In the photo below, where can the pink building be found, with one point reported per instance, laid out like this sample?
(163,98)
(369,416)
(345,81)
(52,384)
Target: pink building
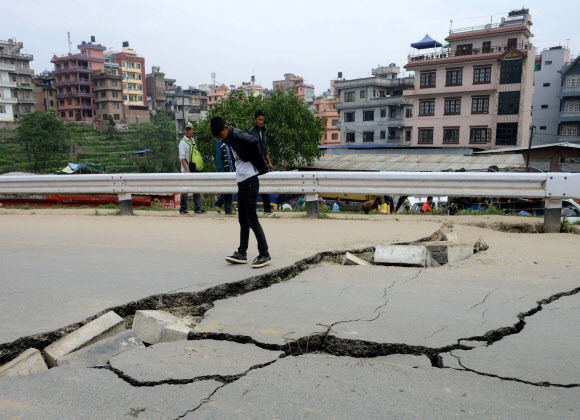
(325,107)
(216,95)
(303,90)
(478,91)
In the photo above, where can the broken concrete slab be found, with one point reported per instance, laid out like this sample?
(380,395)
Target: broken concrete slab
(28,363)
(414,306)
(98,329)
(324,386)
(191,359)
(98,354)
(404,255)
(445,252)
(450,237)
(351,259)
(153,326)
(95,394)
(546,350)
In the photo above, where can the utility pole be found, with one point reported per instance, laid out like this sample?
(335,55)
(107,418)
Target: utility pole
(532,130)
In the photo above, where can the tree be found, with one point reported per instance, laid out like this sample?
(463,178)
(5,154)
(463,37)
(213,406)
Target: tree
(293,131)
(159,136)
(111,130)
(42,137)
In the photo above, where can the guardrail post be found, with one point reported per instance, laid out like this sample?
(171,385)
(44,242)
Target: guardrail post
(552,215)
(125,205)
(312,205)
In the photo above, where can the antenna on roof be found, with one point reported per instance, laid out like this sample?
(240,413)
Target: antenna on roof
(69,43)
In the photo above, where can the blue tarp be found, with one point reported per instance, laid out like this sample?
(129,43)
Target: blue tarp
(142,151)
(426,42)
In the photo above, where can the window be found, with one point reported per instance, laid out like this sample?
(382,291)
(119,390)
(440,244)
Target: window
(130,86)
(138,77)
(124,97)
(69,101)
(334,136)
(71,114)
(348,116)
(2,109)
(393,112)
(115,106)
(63,114)
(480,105)
(571,106)
(159,84)
(573,81)
(512,42)
(51,103)
(363,94)
(452,106)
(124,86)
(383,134)
(334,122)
(480,135)
(408,135)
(464,49)
(116,117)
(454,78)
(543,127)
(368,136)
(425,135)
(569,131)
(481,75)
(426,107)
(140,98)
(349,97)
(451,135)
(115,94)
(139,87)
(113,83)
(428,79)
(486,47)
(546,85)
(103,94)
(383,113)
(509,103)
(104,105)
(368,115)
(544,106)
(507,134)
(350,137)
(547,63)
(409,113)
(137,66)
(511,72)
(392,135)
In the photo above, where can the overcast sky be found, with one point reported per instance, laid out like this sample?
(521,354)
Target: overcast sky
(235,38)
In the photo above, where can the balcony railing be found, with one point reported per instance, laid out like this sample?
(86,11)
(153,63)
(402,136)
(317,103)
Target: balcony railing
(23,100)
(7,100)
(7,83)
(29,72)
(569,117)
(488,27)
(473,53)
(570,91)
(16,56)
(76,95)
(74,69)
(8,67)
(74,82)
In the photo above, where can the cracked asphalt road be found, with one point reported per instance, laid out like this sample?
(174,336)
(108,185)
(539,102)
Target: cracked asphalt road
(465,340)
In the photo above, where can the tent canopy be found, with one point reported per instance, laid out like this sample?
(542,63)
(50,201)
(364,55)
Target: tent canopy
(426,42)
(142,151)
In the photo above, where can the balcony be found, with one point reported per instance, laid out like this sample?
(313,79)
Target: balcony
(29,72)
(7,67)
(74,82)
(16,56)
(75,69)
(22,100)
(374,81)
(75,95)
(569,117)
(569,139)
(570,91)
(7,100)
(448,55)
(7,83)
(24,85)
(517,25)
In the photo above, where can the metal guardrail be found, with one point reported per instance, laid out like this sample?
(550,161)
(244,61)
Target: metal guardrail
(553,185)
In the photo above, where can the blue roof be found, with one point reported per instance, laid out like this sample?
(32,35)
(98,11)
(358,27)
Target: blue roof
(363,146)
(426,42)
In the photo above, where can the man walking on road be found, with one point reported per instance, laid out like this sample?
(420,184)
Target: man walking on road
(190,161)
(259,131)
(224,163)
(249,164)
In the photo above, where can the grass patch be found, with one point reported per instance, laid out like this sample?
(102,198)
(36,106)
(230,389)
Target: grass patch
(108,206)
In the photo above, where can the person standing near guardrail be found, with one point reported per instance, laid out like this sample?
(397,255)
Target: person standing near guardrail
(427,206)
(249,164)
(259,132)
(190,161)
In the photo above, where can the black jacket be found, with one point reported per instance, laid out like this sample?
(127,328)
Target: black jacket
(247,148)
(255,131)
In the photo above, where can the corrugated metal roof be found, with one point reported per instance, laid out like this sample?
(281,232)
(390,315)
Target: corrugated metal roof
(415,163)
(525,149)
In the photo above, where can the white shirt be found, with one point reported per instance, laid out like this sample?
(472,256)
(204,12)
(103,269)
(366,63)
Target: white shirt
(244,170)
(184,151)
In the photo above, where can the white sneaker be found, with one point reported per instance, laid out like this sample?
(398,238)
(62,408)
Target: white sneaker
(270,214)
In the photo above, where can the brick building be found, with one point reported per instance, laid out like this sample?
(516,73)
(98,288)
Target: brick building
(44,92)
(109,96)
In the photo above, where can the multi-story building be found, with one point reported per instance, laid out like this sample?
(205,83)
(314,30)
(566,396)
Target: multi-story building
(477,92)
(44,92)
(109,96)
(73,72)
(373,109)
(155,82)
(217,95)
(546,99)
(324,106)
(132,67)
(569,118)
(16,88)
(291,81)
